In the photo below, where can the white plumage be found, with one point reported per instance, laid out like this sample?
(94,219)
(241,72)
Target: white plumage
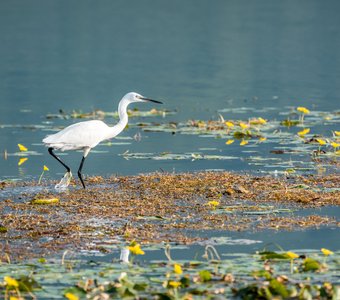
(86,135)
(78,136)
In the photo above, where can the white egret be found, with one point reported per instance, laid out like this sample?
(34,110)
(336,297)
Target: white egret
(86,135)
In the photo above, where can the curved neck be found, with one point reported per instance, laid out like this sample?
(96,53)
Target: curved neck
(122,112)
(123,119)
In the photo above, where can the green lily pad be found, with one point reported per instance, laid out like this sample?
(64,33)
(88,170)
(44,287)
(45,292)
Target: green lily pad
(205,275)
(311,265)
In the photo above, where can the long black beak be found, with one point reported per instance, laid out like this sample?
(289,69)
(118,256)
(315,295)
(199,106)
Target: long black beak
(151,100)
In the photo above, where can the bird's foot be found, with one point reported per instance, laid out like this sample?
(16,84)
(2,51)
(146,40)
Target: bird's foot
(64,182)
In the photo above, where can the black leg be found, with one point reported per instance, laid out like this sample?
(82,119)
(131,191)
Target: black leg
(79,171)
(50,150)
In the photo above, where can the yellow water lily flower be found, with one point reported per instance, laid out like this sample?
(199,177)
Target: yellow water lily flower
(257,121)
(261,121)
(41,175)
(303,132)
(178,269)
(262,139)
(290,171)
(304,110)
(229,124)
(22,160)
(22,148)
(326,251)
(292,255)
(228,142)
(136,250)
(11,282)
(201,124)
(321,142)
(337,133)
(243,125)
(71,296)
(243,143)
(174,284)
(335,145)
(213,203)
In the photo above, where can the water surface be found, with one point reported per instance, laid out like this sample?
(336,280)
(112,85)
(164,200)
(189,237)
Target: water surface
(198,57)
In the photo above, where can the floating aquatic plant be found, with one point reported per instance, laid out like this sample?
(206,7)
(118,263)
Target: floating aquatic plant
(240,275)
(45,168)
(11,282)
(71,296)
(292,256)
(303,132)
(243,125)
(326,252)
(304,111)
(321,142)
(45,201)
(22,148)
(229,124)
(335,145)
(213,204)
(243,142)
(135,248)
(259,132)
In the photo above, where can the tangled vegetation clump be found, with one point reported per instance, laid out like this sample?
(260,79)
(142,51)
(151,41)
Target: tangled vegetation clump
(157,208)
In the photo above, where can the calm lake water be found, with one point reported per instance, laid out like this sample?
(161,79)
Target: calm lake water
(196,56)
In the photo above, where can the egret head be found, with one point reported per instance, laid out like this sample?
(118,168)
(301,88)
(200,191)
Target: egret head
(134,97)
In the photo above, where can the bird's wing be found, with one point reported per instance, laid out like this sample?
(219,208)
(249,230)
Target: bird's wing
(79,135)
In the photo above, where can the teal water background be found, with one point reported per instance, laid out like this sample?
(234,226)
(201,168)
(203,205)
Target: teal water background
(196,56)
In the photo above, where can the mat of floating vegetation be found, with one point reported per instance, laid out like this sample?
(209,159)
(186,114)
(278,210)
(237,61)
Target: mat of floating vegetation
(157,207)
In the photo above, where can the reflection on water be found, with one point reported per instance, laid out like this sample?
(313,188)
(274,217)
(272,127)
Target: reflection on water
(124,255)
